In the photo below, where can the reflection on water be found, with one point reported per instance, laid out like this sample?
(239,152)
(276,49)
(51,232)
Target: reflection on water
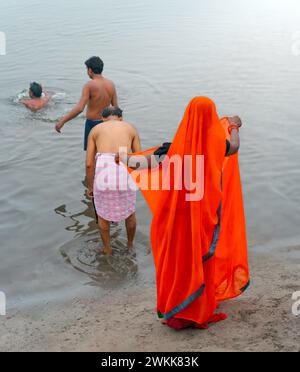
(76,225)
(83,251)
(88,214)
(109,272)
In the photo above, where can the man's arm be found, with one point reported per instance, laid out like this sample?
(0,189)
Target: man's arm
(25,103)
(236,123)
(153,159)
(114,100)
(29,105)
(45,100)
(77,110)
(90,162)
(47,97)
(136,142)
(135,147)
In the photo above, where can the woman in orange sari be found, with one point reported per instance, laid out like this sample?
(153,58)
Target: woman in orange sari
(199,245)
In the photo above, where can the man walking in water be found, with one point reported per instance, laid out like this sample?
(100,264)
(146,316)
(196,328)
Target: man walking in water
(113,190)
(97,94)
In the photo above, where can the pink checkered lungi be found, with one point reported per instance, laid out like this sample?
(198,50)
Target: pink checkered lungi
(114,189)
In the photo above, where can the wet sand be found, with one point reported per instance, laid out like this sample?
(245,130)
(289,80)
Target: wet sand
(125,320)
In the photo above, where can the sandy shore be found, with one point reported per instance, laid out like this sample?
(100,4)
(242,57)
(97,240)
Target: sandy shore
(261,320)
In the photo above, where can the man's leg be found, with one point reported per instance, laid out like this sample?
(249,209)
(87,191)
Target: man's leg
(104,227)
(131,229)
(86,134)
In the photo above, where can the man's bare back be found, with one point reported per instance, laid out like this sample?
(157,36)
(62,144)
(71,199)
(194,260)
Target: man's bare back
(112,135)
(36,104)
(102,93)
(96,95)
(38,98)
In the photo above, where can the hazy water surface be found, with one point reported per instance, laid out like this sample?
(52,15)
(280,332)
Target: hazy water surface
(160,54)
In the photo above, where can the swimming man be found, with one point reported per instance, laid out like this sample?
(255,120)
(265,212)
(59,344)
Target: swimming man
(38,99)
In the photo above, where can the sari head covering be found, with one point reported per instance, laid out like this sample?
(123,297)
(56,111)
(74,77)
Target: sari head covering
(199,243)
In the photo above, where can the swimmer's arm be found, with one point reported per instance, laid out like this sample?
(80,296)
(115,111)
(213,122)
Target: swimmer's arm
(28,105)
(90,162)
(77,110)
(234,137)
(45,100)
(47,96)
(25,103)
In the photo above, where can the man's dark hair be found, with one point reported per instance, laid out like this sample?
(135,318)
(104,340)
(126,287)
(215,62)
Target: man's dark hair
(112,111)
(36,90)
(95,64)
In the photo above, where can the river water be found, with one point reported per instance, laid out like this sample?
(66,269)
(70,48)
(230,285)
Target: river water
(243,54)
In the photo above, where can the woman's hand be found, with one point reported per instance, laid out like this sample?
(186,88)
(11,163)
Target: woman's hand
(235,124)
(235,120)
(121,158)
(117,158)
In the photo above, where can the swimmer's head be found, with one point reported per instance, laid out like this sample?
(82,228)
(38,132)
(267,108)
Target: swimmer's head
(35,90)
(112,113)
(94,66)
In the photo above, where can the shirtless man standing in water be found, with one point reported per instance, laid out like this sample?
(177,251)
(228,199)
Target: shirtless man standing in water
(110,186)
(97,94)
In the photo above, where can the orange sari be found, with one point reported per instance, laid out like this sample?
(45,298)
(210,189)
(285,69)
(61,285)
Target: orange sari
(199,246)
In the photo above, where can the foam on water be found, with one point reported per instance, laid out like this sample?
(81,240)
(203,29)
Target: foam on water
(55,96)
